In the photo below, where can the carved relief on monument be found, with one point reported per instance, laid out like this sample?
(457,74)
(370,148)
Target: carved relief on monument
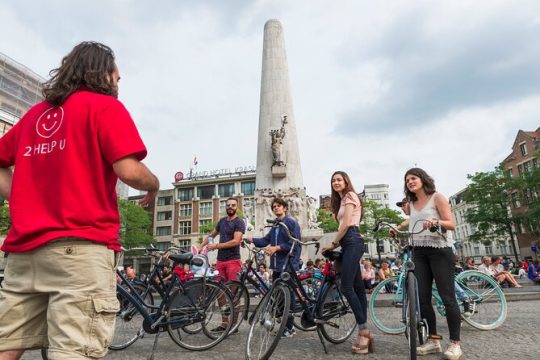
(248,214)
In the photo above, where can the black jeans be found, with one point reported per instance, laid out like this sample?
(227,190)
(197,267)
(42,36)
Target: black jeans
(352,285)
(437,264)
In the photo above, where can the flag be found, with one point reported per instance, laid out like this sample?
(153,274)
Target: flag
(195,162)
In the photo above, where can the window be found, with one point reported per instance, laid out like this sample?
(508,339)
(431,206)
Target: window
(164,200)
(248,188)
(186,210)
(205,209)
(515,200)
(226,190)
(163,245)
(535,163)
(520,169)
(509,172)
(503,249)
(523,148)
(163,230)
(527,166)
(185,194)
(476,250)
(206,192)
(185,227)
(164,215)
(489,250)
(185,245)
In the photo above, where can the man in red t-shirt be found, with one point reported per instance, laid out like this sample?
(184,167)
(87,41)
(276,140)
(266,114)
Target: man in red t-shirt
(68,153)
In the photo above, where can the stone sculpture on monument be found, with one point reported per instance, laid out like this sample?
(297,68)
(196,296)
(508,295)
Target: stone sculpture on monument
(277,136)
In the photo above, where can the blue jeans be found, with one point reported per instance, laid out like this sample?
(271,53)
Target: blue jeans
(352,285)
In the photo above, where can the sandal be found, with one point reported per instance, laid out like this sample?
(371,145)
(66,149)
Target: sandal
(364,349)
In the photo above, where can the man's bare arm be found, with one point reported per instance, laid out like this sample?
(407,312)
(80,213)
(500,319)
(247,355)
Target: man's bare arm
(6,176)
(135,174)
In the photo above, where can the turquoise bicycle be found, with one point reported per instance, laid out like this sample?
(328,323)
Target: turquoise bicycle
(487,308)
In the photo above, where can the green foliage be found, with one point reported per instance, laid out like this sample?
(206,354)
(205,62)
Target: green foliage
(5,220)
(488,192)
(327,221)
(135,225)
(207,228)
(373,213)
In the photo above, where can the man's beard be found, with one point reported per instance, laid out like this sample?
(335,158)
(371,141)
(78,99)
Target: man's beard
(231,212)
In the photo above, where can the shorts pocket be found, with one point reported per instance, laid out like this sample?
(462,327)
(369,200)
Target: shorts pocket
(104,311)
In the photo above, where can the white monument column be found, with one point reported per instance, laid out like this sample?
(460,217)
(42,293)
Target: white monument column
(279,172)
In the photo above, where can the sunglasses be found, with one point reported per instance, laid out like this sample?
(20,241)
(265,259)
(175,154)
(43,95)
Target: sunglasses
(230,205)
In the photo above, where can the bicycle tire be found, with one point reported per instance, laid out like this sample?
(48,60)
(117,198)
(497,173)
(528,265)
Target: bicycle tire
(268,324)
(412,315)
(201,309)
(489,307)
(385,306)
(129,322)
(241,301)
(338,319)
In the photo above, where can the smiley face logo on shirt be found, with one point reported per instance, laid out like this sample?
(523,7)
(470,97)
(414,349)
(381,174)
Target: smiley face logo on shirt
(50,122)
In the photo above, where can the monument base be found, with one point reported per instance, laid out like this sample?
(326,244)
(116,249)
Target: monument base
(279,171)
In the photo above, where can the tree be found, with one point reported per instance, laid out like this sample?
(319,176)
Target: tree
(327,221)
(5,220)
(135,225)
(373,213)
(489,195)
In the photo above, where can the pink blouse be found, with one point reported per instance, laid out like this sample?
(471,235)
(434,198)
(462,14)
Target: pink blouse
(350,198)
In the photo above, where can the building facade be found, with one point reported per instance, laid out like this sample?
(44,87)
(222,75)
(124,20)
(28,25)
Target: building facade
(20,87)
(378,193)
(186,213)
(524,158)
(500,246)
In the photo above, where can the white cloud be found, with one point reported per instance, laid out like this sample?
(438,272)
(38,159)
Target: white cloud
(377,87)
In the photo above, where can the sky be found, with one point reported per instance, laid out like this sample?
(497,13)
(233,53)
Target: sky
(378,87)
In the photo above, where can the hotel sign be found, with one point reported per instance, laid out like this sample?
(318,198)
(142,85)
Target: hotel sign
(193,175)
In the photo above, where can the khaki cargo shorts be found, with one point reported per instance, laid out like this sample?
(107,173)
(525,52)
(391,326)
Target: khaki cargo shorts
(61,296)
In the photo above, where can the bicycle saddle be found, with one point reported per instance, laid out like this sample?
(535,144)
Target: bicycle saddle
(184,258)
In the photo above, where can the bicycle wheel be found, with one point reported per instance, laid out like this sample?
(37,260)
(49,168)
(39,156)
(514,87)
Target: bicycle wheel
(240,296)
(128,326)
(488,302)
(200,315)
(411,326)
(268,323)
(385,306)
(338,319)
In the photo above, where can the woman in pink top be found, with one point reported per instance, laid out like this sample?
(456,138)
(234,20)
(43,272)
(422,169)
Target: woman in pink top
(347,208)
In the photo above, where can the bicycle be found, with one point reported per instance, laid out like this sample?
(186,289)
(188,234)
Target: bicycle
(189,311)
(487,303)
(239,290)
(408,320)
(329,312)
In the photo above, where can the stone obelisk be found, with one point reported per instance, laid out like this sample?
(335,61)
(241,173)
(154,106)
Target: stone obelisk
(278,161)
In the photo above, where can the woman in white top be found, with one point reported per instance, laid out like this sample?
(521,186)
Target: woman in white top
(433,258)
(347,209)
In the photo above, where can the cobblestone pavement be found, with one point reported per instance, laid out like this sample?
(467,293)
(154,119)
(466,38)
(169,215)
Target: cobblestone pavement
(518,338)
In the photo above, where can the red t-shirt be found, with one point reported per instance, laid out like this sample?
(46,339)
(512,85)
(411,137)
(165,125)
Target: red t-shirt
(63,180)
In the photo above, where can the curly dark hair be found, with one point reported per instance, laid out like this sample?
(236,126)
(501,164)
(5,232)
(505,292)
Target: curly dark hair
(89,65)
(281,202)
(427,183)
(335,198)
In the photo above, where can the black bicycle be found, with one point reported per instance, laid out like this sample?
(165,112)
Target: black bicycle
(197,313)
(330,312)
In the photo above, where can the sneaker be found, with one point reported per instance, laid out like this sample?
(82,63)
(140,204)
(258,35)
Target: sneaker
(467,311)
(453,352)
(288,333)
(429,347)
